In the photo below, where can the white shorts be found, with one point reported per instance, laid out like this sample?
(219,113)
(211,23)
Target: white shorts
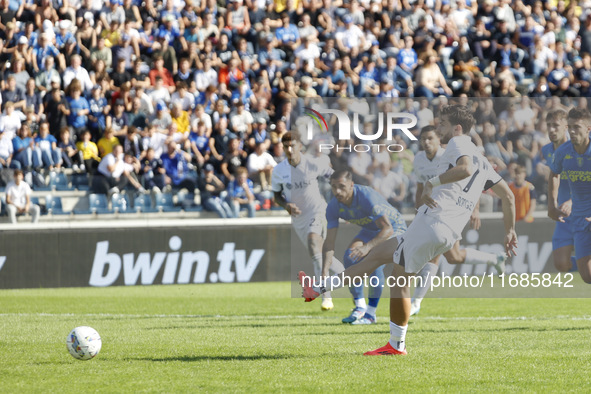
(311,223)
(425,238)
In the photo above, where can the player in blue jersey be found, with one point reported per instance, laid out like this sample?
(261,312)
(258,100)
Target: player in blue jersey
(562,240)
(574,159)
(379,221)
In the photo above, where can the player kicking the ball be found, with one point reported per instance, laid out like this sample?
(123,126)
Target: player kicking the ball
(426,166)
(379,221)
(295,185)
(450,199)
(574,159)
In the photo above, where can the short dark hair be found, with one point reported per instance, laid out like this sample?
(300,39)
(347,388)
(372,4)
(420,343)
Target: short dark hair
(556,114)
(427,129)
(342,174)
(289,137)
(459,115)
(579,113)
(18,171)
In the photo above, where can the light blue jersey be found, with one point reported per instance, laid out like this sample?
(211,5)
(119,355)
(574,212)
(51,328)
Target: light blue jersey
(366,208)
(563,234)
(564,190)
(578,171)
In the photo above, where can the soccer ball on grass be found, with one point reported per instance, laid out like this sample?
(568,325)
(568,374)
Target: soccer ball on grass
(84,343)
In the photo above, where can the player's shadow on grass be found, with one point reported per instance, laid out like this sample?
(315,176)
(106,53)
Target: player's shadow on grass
(220,358)
(472,329)
(237,324)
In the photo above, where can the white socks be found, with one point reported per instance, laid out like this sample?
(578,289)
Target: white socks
(474,256)
(336,265)
(371,310)
(360,303)
(428,271)
(397,336)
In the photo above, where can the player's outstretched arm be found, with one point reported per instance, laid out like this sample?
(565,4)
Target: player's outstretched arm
(508,202)
(554,212)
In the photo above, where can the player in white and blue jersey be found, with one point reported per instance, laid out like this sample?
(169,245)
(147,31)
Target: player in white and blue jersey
(449,200)
(426,166)
(379,221)
(574,158)
(562,239)
(295,186)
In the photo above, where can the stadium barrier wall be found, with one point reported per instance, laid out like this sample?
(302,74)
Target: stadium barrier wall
(149,252)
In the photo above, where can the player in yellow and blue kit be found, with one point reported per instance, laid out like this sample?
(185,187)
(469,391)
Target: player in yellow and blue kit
(574,159)
(379,221)
(562,240)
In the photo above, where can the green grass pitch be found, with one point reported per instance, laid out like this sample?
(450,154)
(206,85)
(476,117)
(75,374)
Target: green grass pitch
(252,337)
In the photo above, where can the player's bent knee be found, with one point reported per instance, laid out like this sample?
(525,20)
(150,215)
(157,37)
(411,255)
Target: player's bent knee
(347,260)
(563,265)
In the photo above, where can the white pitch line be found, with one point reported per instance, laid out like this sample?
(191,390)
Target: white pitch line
(278,317)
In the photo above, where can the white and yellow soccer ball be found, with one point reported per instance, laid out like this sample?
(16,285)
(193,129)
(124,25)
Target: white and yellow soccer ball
(84,343)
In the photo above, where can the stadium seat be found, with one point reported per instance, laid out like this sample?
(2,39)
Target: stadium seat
(164,203)
(53,205)
(80,182)
(187,202)
(97,204)
(143,203)
(120,203)
(3,207)
(59,181)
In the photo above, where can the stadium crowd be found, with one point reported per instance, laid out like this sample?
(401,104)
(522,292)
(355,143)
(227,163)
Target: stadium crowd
(197,93)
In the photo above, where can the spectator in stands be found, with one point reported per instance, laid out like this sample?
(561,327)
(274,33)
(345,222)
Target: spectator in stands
(10,122)
(47,144)
(233,158)
(114,174)
(24,149)
(163,73)
(161,118)
(79,109)
(98,110)
(152,172)
(90,153)
(102,53)
(18,199)
(174,161)
(76,71)
(44,78)
(71,157)
(430,81)
(525,195)
(18,71)
(6,152)
(56,108)
(260,165)
(13,94)
(117,120)
(180,117)
(33,99)
(198,144)
(131,143)
(211,188)
(241,193)
(107,143)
